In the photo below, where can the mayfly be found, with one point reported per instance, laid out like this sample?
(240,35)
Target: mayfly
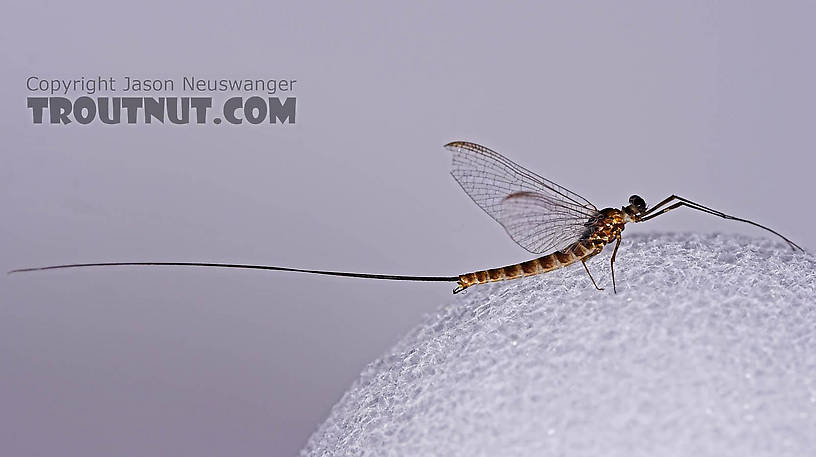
(538,214)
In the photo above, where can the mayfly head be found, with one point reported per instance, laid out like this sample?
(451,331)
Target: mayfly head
(636,208)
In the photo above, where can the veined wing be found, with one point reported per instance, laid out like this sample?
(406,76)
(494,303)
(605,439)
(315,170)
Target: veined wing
(537,213)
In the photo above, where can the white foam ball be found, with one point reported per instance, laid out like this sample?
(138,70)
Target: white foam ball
(707,349)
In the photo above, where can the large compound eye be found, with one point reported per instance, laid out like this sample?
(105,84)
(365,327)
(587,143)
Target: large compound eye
(637,202)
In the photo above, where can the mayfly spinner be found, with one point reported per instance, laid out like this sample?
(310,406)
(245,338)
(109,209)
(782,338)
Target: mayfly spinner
(538,214)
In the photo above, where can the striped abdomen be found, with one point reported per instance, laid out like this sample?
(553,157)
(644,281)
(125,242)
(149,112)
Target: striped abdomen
(579,250)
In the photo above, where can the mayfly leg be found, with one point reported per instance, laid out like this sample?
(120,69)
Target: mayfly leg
(650,214)
(612,264)
(590,275)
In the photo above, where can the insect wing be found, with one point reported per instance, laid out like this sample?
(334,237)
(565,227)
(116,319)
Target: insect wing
(537,213)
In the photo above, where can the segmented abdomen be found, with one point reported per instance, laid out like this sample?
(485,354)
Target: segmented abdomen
(580,250)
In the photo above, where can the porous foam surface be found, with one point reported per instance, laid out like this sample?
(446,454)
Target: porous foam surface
(708,349)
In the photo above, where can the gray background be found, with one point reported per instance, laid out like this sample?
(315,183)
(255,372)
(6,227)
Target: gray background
(714,102)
